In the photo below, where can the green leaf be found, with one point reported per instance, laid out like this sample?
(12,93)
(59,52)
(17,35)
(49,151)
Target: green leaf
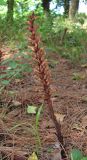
(2,76)
(31,109)
(38,114)
(13,64)
(2,2)
(84,158)
(6,61)
(76,154)
(5,82)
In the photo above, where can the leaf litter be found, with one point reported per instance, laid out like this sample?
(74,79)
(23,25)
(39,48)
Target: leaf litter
(16,135)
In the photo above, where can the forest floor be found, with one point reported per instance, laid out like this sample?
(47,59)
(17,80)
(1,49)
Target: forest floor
(69,96)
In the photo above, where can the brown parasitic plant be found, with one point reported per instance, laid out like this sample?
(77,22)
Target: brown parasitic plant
(43,72)
(2,67)
(0,56)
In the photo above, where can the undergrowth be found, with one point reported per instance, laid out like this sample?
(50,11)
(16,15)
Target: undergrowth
(64,37)
(71,45)
(13,68)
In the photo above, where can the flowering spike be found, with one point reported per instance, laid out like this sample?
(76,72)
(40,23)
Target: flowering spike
(1,54)
(44,73)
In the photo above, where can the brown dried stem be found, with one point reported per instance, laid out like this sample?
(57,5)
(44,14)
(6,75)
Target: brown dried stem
(43,73)
(0,56)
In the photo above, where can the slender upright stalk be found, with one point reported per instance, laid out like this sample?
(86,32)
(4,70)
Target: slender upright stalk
(43,73)
(0,56)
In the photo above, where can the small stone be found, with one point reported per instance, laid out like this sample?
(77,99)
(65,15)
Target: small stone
(16,103)
(84,99)
(56,155)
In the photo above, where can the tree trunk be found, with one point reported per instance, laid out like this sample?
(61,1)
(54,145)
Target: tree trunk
(73,8)
(66,7)
(10,8)
(46,5)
